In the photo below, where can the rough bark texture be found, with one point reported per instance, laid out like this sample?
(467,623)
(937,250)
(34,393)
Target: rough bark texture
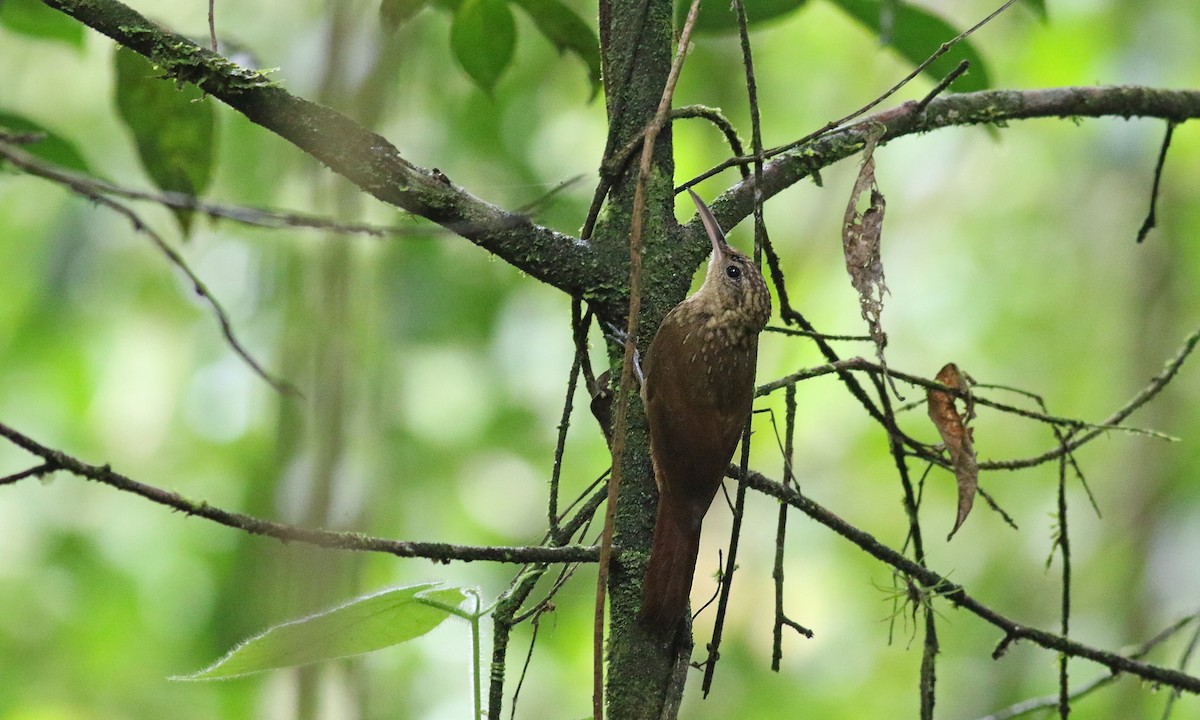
(638,51)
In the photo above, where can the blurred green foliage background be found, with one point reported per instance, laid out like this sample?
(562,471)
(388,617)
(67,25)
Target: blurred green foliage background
(433,374)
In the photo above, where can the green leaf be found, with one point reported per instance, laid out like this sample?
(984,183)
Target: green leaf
(719,17)
(35,19)
(394,13)
(51,148)
(174,127)
(483,37)
(563,27)
(1039,8)
(364,624)
(916,34)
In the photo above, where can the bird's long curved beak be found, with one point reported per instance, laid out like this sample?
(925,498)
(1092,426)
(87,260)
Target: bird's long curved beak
(710,224)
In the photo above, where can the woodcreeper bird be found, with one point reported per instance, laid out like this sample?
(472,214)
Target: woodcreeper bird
(698,390)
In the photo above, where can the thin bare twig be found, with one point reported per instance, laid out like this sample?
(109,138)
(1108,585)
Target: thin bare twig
(760,233)
(1111,423)
(245,215)
(85,189)
(1147,393)
(38,471)
(1152,214)
(578,328)
(212,25)
(781,618)
(834,125)
(945,83)
(1049,701)
(1184,659)
(1063,543)
(958,596)
(813,334)
(356,542)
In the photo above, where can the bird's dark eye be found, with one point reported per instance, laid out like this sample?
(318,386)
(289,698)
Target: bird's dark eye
(733,271)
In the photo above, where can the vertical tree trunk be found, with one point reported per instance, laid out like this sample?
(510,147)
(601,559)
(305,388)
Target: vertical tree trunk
(637,45)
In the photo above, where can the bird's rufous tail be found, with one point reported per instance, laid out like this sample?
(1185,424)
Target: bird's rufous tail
(669,573)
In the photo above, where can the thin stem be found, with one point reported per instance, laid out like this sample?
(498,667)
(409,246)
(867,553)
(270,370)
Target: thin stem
(476,658)
(1152,214)
(1064,546)
(760,232)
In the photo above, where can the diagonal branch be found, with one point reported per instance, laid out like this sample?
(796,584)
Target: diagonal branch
(363,157)
(958,596)
(356,542)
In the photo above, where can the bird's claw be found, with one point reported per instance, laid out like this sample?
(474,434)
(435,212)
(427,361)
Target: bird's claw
(620,337)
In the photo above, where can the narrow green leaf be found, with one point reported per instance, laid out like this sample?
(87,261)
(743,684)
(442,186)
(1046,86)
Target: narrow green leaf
(364,624)
(916,34)
(719,17)
(394,13)
(35,19)
(52,147)
(174,127)
(483,37)
(568,32)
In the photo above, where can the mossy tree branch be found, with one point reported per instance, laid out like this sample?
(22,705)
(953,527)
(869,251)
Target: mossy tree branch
(989,107)
(363,157)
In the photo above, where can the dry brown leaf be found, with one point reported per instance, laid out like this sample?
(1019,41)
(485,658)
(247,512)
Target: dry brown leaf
(862,231)
(957,436)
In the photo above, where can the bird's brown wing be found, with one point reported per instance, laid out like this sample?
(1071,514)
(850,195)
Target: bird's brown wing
(696,409)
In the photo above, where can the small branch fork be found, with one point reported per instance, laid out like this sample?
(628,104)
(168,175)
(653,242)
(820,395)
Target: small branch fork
(834,125)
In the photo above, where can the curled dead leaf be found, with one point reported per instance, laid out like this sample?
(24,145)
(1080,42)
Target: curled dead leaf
(862,230)
(957,436)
